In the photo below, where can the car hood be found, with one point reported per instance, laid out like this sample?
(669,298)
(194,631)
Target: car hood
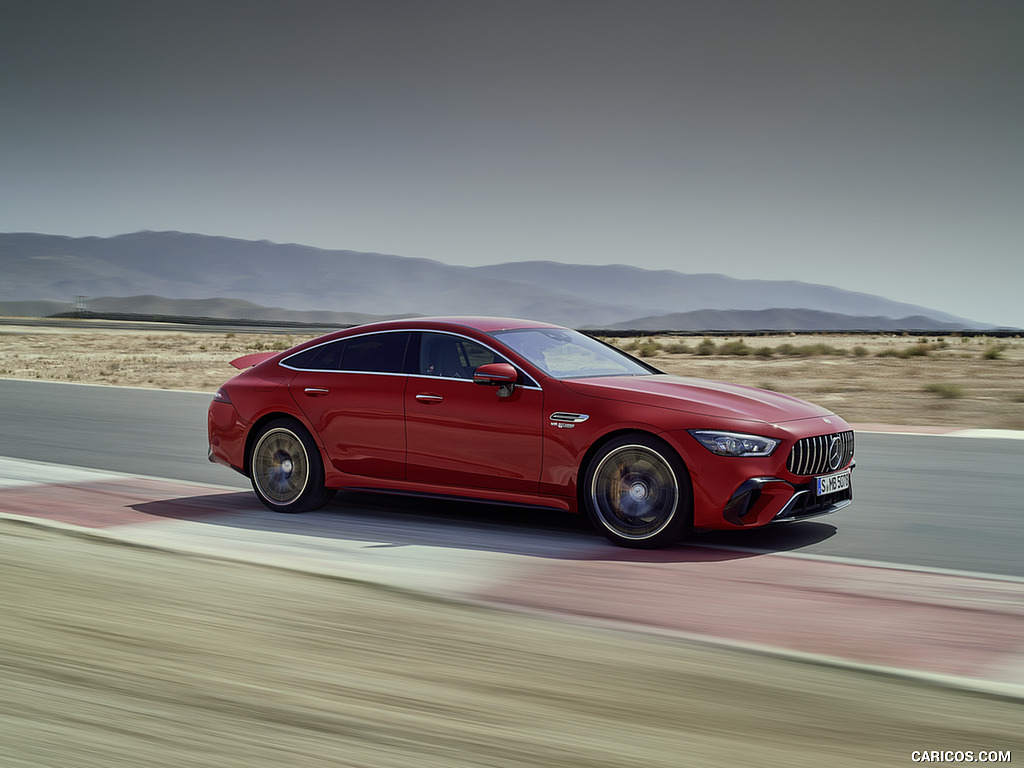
(700,396)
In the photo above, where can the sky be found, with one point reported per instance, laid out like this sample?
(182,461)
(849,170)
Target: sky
(871,146)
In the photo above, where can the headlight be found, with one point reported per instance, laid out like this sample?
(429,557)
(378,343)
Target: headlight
(734,443)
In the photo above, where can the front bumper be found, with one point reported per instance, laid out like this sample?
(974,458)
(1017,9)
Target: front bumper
(751,491)
(763,500)
(805,504)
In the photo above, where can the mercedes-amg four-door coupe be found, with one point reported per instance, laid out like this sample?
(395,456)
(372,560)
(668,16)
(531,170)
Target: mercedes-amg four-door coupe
(525,413)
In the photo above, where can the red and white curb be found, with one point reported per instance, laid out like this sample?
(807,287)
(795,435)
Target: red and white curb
(959,629)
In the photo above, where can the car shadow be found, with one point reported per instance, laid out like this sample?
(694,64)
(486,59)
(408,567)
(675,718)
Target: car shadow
(383,521)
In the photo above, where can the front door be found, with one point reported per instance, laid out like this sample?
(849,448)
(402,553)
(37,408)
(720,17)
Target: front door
(459,433)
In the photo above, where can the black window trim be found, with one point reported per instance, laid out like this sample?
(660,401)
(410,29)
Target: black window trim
(345,339)
(407,363)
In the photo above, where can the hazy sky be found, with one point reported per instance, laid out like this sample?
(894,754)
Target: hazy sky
(874,146)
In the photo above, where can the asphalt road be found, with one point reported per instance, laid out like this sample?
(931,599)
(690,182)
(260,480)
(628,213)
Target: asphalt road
(939,502)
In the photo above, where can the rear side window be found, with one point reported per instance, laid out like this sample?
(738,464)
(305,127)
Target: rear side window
(377,353)
(326,357)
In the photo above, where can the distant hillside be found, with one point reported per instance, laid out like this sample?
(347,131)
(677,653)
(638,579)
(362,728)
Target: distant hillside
(230,309)
(654,291)
(174,310)
(780,320)
(291,278)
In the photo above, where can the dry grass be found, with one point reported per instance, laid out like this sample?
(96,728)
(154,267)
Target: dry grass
(866,379)
(155,359)
(881,379)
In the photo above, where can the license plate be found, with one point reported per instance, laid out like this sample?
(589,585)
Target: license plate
(840,481)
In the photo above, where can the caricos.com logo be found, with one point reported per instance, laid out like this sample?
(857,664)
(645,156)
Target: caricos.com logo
(960,756)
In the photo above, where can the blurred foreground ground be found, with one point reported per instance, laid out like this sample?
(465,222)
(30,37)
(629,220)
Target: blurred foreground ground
(973,382)
(120,656)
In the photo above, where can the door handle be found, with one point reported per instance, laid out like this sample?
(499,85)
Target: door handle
(316,391)
(427,398)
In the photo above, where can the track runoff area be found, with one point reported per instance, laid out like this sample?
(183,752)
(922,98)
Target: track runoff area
(953,628)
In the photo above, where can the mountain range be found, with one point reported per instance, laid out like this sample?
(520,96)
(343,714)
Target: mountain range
(175,273)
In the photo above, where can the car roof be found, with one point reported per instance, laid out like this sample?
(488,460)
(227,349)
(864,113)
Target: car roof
(478,323)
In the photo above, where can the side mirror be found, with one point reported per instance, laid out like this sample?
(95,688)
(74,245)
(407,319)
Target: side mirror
(496,374)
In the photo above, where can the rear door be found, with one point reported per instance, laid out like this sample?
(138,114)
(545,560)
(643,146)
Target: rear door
(352,391)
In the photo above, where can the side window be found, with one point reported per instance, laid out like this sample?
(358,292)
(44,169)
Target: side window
(378,353)
(453,357)
(326,357)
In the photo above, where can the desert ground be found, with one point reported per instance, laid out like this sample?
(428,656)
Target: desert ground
(940,380)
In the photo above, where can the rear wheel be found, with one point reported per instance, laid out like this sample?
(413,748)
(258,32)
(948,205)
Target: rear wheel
(637,493)
(286,470)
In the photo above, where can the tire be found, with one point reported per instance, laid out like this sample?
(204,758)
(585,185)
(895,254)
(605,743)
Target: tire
(637,493)
(286,470)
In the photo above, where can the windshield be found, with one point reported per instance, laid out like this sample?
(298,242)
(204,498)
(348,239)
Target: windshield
(566,354)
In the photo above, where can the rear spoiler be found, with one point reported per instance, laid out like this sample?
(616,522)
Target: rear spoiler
(248,361)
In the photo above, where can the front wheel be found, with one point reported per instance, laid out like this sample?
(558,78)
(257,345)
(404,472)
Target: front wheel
(286,470)
(637,493)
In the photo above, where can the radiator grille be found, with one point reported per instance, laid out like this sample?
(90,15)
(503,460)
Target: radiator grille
(821,454)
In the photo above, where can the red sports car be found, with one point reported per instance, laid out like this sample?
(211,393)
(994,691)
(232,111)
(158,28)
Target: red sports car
(525,413)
